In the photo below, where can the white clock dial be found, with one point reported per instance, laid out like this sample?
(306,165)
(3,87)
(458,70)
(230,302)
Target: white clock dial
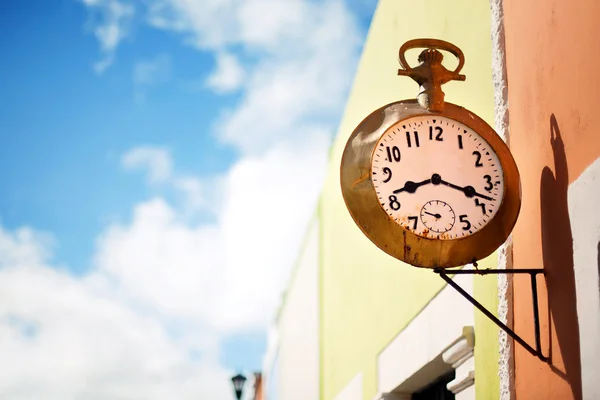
(437,177)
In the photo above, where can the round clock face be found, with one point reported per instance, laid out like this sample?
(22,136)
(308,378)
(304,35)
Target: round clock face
(437,177)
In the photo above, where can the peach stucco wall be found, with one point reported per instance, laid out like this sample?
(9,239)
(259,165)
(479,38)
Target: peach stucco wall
(552,58)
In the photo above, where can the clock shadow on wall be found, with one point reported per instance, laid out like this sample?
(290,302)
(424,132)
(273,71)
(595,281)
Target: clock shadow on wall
(557,248)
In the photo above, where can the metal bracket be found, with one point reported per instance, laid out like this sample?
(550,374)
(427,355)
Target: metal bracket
(536,320)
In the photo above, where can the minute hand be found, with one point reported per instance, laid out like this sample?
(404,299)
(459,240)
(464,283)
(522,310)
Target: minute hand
(469,191)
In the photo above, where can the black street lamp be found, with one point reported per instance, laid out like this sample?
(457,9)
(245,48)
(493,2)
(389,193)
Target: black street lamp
(238,384)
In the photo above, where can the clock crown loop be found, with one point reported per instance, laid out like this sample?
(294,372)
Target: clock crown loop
(430,74)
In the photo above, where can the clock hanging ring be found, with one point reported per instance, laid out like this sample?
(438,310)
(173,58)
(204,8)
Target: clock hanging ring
(430,182)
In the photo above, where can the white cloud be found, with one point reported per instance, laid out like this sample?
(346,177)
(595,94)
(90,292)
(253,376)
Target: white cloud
(189,284)
(228,75)
(155,160)
(306,54)
(114,18)
(78,338)
(192,191)
(160,290)
(263,25)
(150,73)
(103,64)
(228,275)
(268,202)
(24,247)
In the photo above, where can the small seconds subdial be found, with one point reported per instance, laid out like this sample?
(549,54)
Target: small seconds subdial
(438,216)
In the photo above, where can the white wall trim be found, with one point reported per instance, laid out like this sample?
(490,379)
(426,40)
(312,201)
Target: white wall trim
(465,378)
(461,383)
(353,390)
(500,82)
(461,356)
(439,338)
(584,197)
(461,350)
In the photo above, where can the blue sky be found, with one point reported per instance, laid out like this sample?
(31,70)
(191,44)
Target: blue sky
(135,138)
(63,126)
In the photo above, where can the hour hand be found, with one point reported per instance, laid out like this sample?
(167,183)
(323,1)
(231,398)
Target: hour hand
(411,187)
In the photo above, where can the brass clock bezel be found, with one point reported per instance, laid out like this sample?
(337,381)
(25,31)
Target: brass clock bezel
(394,239)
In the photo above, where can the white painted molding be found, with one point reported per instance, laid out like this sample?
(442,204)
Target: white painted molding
(462,349)
(462,383)
(461,356)
(465,374)
(500,82)
(439,338)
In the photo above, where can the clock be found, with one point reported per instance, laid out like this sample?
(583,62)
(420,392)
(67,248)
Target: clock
(437,177)
(435,187)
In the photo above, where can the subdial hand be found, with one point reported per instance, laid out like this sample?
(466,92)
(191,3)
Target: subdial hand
(436,216)
(469,191)
(411,187)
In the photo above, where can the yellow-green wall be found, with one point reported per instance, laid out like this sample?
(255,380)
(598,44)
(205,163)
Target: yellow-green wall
(367,297)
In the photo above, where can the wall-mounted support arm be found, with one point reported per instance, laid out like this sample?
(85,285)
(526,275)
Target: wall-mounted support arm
(533,275)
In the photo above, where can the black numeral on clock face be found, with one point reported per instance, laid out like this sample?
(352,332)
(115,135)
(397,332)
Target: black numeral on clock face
(460,143)
(409,141)
(488,180)
(414,221)
(394,203)
(393,153)
(482,205)
(478,159)
(388,172)
(465,221)
(438,134)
